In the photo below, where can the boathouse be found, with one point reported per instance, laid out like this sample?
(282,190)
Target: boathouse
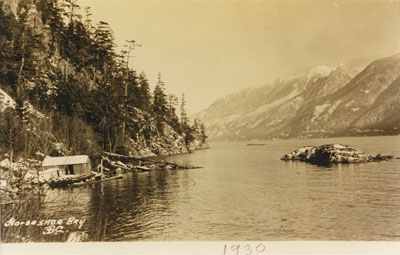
(70,165)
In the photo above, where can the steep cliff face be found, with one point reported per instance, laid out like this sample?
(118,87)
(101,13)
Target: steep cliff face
(325,102)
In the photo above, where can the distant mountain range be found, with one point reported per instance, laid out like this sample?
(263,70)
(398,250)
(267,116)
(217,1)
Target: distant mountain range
(325,102)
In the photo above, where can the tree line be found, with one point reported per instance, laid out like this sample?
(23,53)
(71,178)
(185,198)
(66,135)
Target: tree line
(55,60)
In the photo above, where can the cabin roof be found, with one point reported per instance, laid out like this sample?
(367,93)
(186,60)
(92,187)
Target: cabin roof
(69,160)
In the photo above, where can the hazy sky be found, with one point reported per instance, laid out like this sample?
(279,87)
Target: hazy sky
(210,48)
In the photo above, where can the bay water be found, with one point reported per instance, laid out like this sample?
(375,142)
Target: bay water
(245,193)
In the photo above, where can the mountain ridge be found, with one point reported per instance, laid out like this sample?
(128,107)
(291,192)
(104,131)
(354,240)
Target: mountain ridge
(336,101)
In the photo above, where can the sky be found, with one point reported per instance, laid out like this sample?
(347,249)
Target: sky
(207,49)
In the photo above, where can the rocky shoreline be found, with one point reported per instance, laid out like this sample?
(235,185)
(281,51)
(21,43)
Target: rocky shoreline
(23,175)
(333,154)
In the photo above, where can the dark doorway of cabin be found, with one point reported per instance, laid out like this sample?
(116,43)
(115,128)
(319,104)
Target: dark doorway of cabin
(69,170)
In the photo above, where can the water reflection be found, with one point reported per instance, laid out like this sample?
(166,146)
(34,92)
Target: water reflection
(137,203)
(245,193)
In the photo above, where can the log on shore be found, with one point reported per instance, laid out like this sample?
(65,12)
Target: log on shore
(96,181)
(68,181)
(150,163)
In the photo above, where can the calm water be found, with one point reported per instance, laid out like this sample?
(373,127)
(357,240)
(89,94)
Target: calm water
(246,193)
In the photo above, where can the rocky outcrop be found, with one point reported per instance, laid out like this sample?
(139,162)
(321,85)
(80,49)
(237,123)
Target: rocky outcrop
(151,139)
(16,178)
(157,146)
(198,145)
(331,154)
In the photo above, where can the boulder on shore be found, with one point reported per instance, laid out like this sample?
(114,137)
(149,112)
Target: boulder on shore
(332,153)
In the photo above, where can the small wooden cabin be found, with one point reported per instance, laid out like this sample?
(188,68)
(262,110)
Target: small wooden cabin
(70,165)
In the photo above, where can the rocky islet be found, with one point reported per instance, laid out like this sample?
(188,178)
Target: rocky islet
(333,154)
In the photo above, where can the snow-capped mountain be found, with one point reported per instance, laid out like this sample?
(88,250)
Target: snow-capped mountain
(326,101)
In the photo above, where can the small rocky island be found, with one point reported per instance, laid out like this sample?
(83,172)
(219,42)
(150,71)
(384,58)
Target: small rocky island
(332,153)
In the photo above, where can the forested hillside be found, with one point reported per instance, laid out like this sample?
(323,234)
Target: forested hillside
(66,90)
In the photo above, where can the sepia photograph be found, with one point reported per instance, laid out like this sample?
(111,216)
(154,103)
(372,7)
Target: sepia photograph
(237,122)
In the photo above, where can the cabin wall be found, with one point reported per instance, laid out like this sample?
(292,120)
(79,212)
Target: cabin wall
(79,169)
(51,172)
(89,167)
(83,169)
(60,170)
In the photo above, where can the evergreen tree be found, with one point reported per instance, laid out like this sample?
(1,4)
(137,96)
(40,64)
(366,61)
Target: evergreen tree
(77,45)
(128,50)
(51,14)
(160,105)
(88,21)
(104,48)
(203,133)
(8,31)
(132,91)
(184,118)
(144,92)
(172,118)
(71,8)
